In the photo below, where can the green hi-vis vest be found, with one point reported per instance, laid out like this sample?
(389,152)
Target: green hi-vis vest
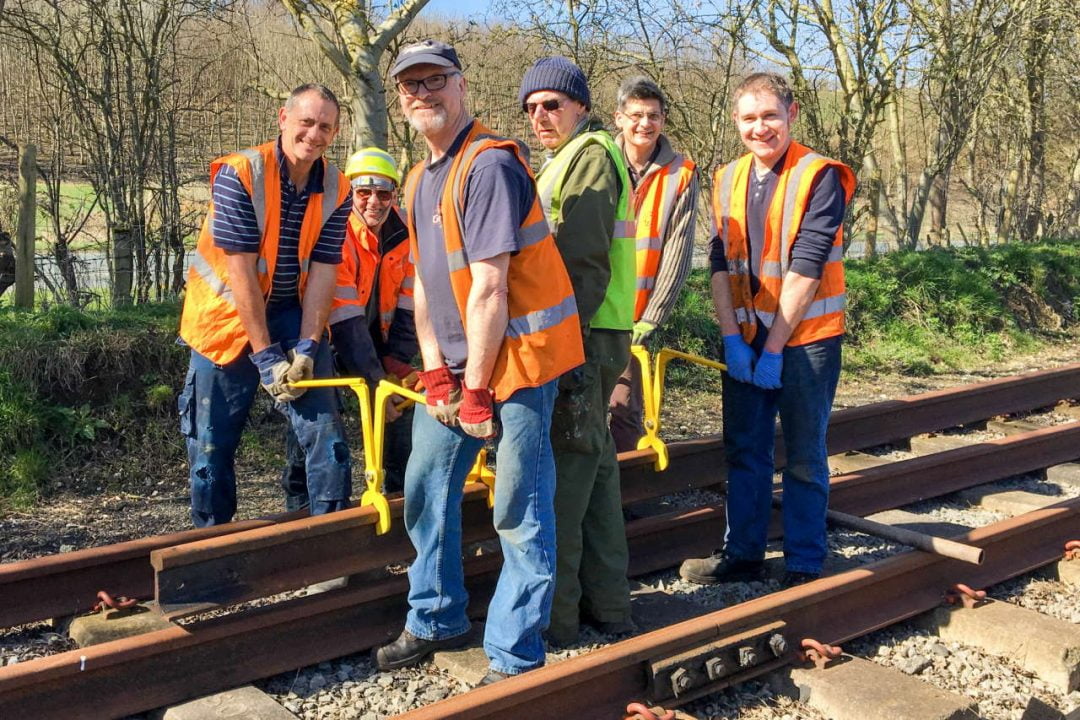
(617,310)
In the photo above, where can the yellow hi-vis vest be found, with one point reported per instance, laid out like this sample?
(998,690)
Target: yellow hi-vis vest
(616,312)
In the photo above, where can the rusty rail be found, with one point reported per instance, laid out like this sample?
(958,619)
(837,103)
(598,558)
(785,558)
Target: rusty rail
(66,584)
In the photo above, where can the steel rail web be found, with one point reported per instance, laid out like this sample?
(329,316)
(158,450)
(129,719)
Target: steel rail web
(830,610)
(222,571)
(66,584)
(135,674)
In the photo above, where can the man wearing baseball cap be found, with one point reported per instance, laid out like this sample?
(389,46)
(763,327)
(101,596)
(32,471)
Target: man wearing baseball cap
(497,326)
(585,191)
(371,317)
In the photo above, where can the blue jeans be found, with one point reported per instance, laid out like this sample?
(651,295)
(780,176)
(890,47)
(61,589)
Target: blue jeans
(524,517)
(808,379)
(214,406)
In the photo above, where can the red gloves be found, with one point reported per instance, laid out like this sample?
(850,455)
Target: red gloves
(443,394)
(476,414)
(406,374)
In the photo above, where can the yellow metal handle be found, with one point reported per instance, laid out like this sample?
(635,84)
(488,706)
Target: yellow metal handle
(652,390)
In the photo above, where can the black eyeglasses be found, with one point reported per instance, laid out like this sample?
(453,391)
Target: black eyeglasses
(432,83)
(548,105)
(365,192)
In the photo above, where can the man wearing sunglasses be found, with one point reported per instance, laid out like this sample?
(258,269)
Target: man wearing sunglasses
(497,326)
(665,203)
(585,191)
(371,318)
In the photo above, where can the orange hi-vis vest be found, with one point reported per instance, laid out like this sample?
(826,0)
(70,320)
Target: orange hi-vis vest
(825,317)
(543,335)
(210,323)
(360,261)
(654,201)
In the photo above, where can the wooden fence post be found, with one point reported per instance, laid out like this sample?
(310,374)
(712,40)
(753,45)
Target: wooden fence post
(25,231)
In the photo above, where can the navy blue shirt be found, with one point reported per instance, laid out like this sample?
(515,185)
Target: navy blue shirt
(823,218)
(498,196)
(236,230)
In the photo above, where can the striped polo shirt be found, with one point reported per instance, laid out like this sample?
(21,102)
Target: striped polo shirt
(236,230)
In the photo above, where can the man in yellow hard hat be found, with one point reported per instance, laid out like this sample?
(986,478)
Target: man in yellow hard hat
(371,319)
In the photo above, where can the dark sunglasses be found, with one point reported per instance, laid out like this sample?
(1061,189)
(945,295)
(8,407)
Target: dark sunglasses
(383,195)
(548,105)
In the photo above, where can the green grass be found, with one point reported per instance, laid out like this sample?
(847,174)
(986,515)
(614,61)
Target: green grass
(925,312)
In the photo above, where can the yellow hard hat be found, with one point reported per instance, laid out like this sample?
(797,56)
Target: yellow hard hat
(371,161)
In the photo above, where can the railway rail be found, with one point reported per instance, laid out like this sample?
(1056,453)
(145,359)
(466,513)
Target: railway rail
(257,558)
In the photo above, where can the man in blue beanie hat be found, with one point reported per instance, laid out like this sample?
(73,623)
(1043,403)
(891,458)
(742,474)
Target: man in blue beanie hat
(585,192)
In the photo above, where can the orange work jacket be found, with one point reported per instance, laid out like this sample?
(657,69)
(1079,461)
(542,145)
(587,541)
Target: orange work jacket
(543,335)
(360,261)
(654,201)
(210,323)
(825,317)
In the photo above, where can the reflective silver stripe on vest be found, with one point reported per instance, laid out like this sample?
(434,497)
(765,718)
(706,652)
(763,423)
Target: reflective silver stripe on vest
(790,195)
(771,268)
(346,293)
(724,194)
(540,320)
(457,260)
(739,266)
(648,243)
(404,302)
(331,178)
(742,315)
(409,282)
(202,268)
(344,312)
(671,188)
(305,265)
(260,265)
(836,253)
(825,306)
(645,283)
(386,318)
(258,189)
(534,233)
(625,229)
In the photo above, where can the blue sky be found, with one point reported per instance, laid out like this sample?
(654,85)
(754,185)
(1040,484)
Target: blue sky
(457,8)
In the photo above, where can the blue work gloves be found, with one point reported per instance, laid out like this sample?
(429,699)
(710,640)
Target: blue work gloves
(739,358)
(273,373)
(767,370)
(302,356)
(641,332)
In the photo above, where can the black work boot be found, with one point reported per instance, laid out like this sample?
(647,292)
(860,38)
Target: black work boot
(719,568)
(410,650)
(794,577)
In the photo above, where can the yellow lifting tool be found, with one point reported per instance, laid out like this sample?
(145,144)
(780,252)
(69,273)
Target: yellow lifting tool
(373,435)
(652,390)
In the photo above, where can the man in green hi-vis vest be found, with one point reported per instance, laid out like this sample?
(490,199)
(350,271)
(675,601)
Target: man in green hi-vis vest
(585,192)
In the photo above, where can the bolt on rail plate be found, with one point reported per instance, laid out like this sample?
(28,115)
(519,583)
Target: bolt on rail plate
(715,662)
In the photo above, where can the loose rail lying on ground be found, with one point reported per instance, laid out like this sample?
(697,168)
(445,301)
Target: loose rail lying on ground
(67,584)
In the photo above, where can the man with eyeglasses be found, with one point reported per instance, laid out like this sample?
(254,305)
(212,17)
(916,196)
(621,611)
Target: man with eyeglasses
(371,317)
(585,191)
(258,296)
(665,202)
(497,326)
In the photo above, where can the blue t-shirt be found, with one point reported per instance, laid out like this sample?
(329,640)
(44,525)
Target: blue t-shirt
(236,229)
(498,196)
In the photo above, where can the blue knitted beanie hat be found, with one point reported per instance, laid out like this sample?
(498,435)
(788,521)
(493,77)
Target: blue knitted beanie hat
(559,74)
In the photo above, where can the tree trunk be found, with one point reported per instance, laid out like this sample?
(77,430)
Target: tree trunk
(939,199)
(26,231)
(368,104)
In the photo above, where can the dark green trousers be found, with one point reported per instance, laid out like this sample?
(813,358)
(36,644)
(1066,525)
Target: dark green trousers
(591,552)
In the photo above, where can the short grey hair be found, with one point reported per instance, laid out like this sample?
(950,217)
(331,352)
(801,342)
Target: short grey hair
(319,89)
(764,82)
(640,87)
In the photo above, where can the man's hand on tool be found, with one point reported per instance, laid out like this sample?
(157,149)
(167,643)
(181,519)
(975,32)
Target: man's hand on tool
(273,372)
(405,373)
(303,360)
(443,394)
(477,414)
(739,358)
(641,332)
